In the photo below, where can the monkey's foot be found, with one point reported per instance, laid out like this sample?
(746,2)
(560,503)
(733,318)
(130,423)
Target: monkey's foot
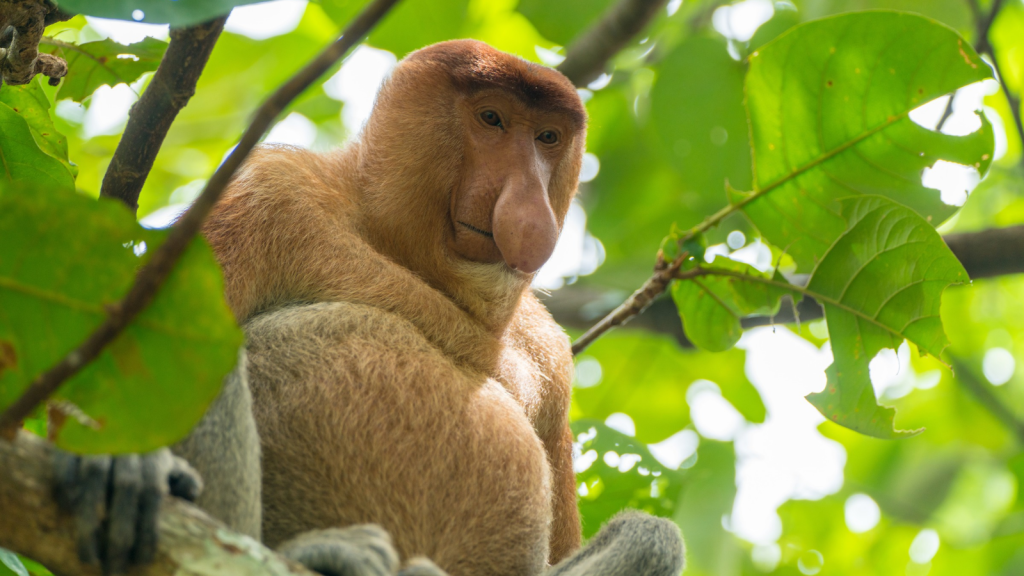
(362,550)
(420,566)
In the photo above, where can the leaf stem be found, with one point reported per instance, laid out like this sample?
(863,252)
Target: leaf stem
(983,23)
(153,274)
(630,307)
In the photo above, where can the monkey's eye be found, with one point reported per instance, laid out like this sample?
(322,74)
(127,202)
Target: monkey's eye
(491,117)
(548,137)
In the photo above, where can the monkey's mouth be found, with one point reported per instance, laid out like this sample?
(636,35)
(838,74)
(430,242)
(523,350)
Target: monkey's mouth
(477,230)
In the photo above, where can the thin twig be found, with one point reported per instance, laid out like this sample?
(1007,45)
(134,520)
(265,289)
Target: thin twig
(152,275)
(983,25)
(987,397)
(664,273)
(589,53)
(169,91)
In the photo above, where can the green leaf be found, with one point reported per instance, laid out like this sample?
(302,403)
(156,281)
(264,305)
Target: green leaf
(880,283)
(11,560)
(711,306)
(828,103)
(173,12)
(103,62)
(562,21)
(63,258)
(638,482)
(23,159)
(31,103)
(697,111)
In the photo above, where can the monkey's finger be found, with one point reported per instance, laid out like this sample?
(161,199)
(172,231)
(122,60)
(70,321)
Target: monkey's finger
(184,482)
(150,495)
(90,505)
(122,517)
(65,480)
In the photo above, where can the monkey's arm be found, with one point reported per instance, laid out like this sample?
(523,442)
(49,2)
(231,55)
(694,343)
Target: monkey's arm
(225,449)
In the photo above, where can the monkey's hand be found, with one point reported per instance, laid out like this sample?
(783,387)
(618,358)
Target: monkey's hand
(116,500)
(361,550)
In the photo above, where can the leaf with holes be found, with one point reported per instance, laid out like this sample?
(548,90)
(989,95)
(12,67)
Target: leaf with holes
(64,258)
(31,103)
(711,306)
(173,12)
(615,471)
(881,282)
(829,105)
(103,62)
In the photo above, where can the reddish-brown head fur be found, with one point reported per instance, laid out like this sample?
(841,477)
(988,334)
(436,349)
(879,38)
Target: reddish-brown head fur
(491,147)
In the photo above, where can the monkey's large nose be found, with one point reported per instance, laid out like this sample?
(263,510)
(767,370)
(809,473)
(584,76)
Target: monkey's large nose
(525,228)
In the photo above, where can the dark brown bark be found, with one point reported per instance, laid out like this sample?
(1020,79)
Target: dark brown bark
(169,91)
(589,53)
(21,27)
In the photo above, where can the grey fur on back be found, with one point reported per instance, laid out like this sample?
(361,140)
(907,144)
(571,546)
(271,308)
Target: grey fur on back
(225,449)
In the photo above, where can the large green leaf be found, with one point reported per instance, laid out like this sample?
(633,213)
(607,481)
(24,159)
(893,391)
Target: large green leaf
(636,481)
(63,258)
(173,12)
(22,158)
(103,62)
(829,103)
(880,283)
(31,103)
(711,307)
(697,111)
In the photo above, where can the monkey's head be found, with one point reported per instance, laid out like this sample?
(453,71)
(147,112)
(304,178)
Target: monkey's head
(472,158)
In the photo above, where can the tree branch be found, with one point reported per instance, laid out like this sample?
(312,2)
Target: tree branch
(589,53)
(992,252)
(189,540)
(150,118)
(983,25)
(985,254)
(21,27)
(152,275)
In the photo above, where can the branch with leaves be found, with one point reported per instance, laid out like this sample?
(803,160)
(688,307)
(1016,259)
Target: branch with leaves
(842,200)
(159,266)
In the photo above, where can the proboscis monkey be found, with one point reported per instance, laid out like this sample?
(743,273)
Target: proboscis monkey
(402,373)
